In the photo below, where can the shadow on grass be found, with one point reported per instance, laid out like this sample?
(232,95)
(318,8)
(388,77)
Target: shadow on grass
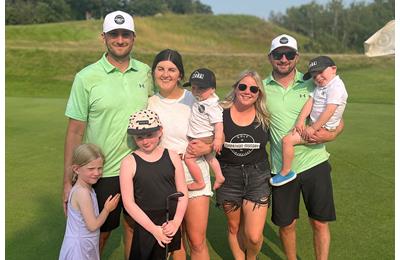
(42,238)
(217,232)
(272,238)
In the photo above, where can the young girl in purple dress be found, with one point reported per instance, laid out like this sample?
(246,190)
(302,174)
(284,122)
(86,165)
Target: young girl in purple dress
(81,239)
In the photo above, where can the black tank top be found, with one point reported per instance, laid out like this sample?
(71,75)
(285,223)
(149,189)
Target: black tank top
(153,182)
(243,144)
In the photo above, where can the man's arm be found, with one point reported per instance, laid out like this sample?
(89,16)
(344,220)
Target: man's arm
(323,135)
(73,138)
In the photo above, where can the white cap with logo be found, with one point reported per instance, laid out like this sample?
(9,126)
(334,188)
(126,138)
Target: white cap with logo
(118,20)
(283,40)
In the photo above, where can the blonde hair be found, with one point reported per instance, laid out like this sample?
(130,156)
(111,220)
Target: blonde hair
(262,114)
(84,154)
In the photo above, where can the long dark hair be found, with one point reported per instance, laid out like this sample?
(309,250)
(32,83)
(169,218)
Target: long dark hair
(172,56)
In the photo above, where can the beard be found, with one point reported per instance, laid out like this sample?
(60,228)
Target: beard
(284,72)
(119,55)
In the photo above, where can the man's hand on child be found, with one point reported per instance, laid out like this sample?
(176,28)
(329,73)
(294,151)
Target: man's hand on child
(112,202)
(308,132)
(67,190)
(322,136)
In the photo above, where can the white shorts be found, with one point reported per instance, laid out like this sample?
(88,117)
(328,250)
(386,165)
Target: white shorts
(205,169)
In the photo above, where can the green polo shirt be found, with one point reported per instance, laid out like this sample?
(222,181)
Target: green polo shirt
(284,106)
(103,97)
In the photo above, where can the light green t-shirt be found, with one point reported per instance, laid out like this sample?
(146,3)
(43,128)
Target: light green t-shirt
(104,98)
(284,106)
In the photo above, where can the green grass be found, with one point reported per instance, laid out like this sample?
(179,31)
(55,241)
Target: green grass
(42,60)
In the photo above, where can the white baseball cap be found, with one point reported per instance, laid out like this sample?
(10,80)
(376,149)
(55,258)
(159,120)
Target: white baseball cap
(283,40)
(118,20)
(143,122)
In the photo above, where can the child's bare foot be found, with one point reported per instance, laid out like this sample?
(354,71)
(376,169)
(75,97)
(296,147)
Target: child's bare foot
(196,185)
(218,182)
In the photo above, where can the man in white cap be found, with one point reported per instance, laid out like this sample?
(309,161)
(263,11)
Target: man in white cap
(103,96)
(286,94)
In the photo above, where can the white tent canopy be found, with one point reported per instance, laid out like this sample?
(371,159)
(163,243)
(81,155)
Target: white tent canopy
(382,42)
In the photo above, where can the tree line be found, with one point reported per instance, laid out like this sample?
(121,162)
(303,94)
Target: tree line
(48,11)
(335,28)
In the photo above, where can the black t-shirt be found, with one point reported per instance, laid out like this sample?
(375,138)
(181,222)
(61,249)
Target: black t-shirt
(243,144)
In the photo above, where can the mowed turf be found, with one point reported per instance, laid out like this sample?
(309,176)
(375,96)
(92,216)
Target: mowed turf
(37,86)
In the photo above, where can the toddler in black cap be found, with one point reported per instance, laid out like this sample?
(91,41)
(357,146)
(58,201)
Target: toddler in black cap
(324,108)
(206,124)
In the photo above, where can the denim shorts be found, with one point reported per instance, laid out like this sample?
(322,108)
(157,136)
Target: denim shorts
(244,182)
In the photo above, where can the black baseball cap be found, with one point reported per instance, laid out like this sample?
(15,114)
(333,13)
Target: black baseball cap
(318,64)
(202,78)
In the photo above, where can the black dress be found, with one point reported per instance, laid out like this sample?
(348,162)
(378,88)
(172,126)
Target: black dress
(153,183)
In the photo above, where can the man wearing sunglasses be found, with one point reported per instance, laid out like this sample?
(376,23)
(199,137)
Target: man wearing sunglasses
(286,93)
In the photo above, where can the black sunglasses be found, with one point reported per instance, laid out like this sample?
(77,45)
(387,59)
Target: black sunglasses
(243,87)
(290,55)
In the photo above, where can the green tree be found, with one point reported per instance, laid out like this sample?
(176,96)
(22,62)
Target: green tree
(335,28)
(146,8)
(85,9)
(44,11)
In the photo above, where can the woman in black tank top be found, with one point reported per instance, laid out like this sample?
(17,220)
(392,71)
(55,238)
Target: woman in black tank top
(148,177)
(245,194)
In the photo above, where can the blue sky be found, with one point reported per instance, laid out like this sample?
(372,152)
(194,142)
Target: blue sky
(260,8)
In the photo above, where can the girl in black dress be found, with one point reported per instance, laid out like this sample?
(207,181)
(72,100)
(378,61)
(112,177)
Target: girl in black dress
(148,176)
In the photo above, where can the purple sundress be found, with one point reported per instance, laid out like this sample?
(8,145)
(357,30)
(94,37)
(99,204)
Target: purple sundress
(79,242)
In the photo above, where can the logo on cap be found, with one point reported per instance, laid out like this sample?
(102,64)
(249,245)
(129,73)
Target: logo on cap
(284,40)
(143,122)
(197,75)
(312,64)
(119,19)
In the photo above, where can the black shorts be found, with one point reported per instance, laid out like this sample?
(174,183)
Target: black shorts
(249,182)
(104,188)
(316,186)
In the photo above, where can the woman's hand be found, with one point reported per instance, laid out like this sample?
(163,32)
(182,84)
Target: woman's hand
(197,148)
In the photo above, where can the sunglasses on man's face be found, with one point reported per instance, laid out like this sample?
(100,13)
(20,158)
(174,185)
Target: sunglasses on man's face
(290,55)
(243,87)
